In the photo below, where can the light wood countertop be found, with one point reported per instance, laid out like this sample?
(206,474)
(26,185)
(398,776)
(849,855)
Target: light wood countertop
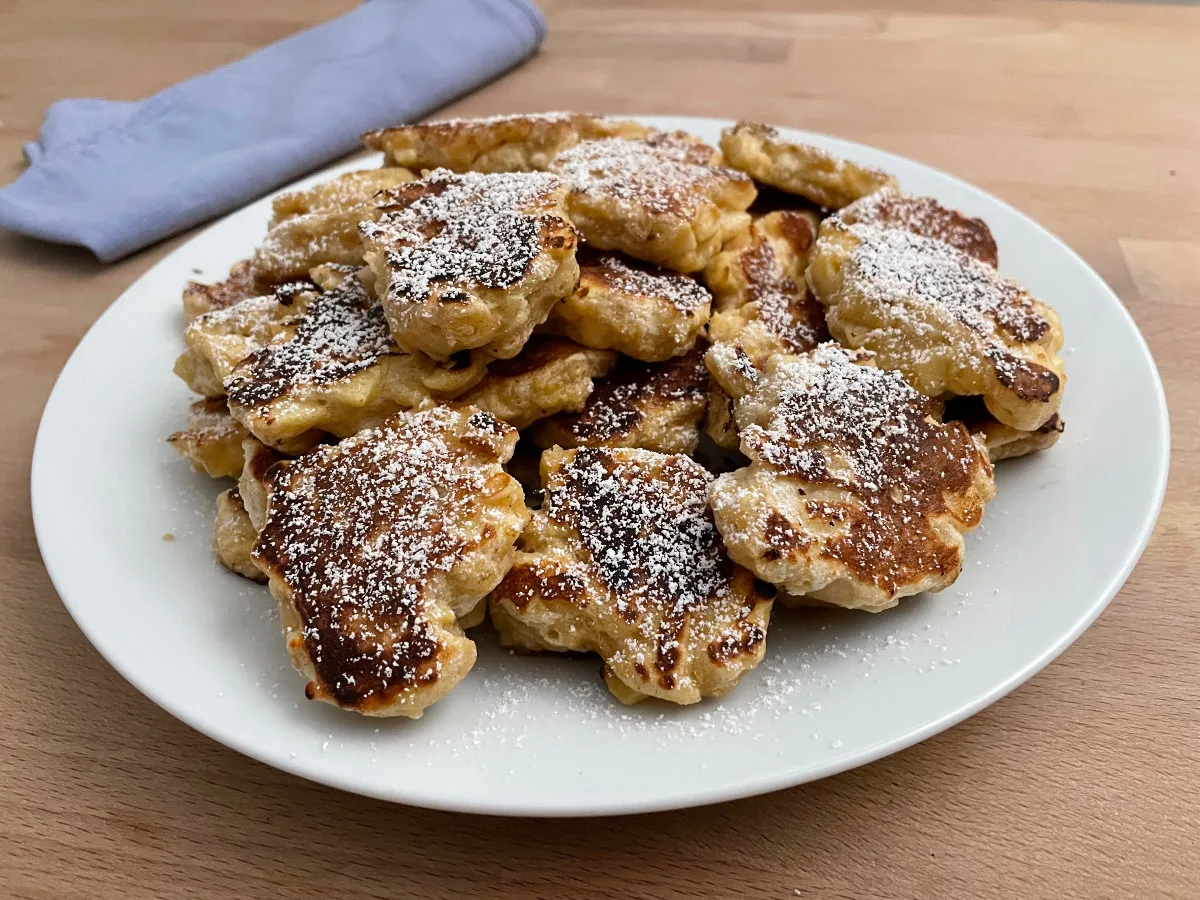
(1085,782)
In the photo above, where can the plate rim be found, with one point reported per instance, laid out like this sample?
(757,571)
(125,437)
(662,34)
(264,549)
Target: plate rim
(693,796)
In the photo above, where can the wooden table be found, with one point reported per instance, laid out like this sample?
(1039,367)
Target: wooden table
(1082,783)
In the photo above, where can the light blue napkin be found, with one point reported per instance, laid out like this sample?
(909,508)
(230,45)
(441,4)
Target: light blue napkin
(116,177)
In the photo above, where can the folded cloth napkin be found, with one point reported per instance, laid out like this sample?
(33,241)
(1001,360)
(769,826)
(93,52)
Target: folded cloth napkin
(116,177)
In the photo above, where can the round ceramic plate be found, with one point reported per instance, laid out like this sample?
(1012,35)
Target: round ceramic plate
(124,527)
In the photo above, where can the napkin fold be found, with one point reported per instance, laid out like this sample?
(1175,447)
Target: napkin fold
(116,177)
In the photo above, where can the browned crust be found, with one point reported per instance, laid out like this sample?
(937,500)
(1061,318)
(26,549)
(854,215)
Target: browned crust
(926,217)
(618,403)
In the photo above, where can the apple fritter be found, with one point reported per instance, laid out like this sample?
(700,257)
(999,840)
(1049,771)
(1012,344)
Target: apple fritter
(760,297)
(548,376)
(640,310)
(856,493)
(1002,441)
(623,560)
(798,168)
(333,369)
(217,341)
(762,304)
(924,216)
(375,545)
(515,143)
(234,536)
(471,261)
(320,225)
(212,441)
(200,298)
(254,482)
(655,406)
(664,199)
(948,322)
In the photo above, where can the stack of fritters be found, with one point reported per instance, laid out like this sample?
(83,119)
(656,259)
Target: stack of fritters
(608,290)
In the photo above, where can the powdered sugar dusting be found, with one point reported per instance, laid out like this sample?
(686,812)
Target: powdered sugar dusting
(357,531)
(244,316)
(662,174)
(641,280)
(898,267)
(809,656)
(342,331)
(831,422)
(457,232)
(645,526)
(926,217)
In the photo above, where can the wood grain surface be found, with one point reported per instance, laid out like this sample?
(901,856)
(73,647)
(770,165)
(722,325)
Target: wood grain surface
(1083,783)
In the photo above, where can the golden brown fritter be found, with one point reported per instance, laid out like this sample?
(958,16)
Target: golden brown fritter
(200,298)
(948,322)
(655,406)
(332,368)
(212,441)
(471,261)
(762,304)
(623,560)
(761,300)
(320,225)
(665,199)
(548,376)
(924,216)
(217,341)
(375,545)
(516,143)
(801,169)
(640,310)
(855,493)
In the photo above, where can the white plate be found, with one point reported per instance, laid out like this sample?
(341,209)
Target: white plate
(541,736)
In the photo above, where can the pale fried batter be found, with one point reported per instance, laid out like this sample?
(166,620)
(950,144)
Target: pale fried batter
(218,340)
(516,143)
(1002,441)
(623,560)
(234,536)
(548,376)
(320,225)
(212,441)
(254,482)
